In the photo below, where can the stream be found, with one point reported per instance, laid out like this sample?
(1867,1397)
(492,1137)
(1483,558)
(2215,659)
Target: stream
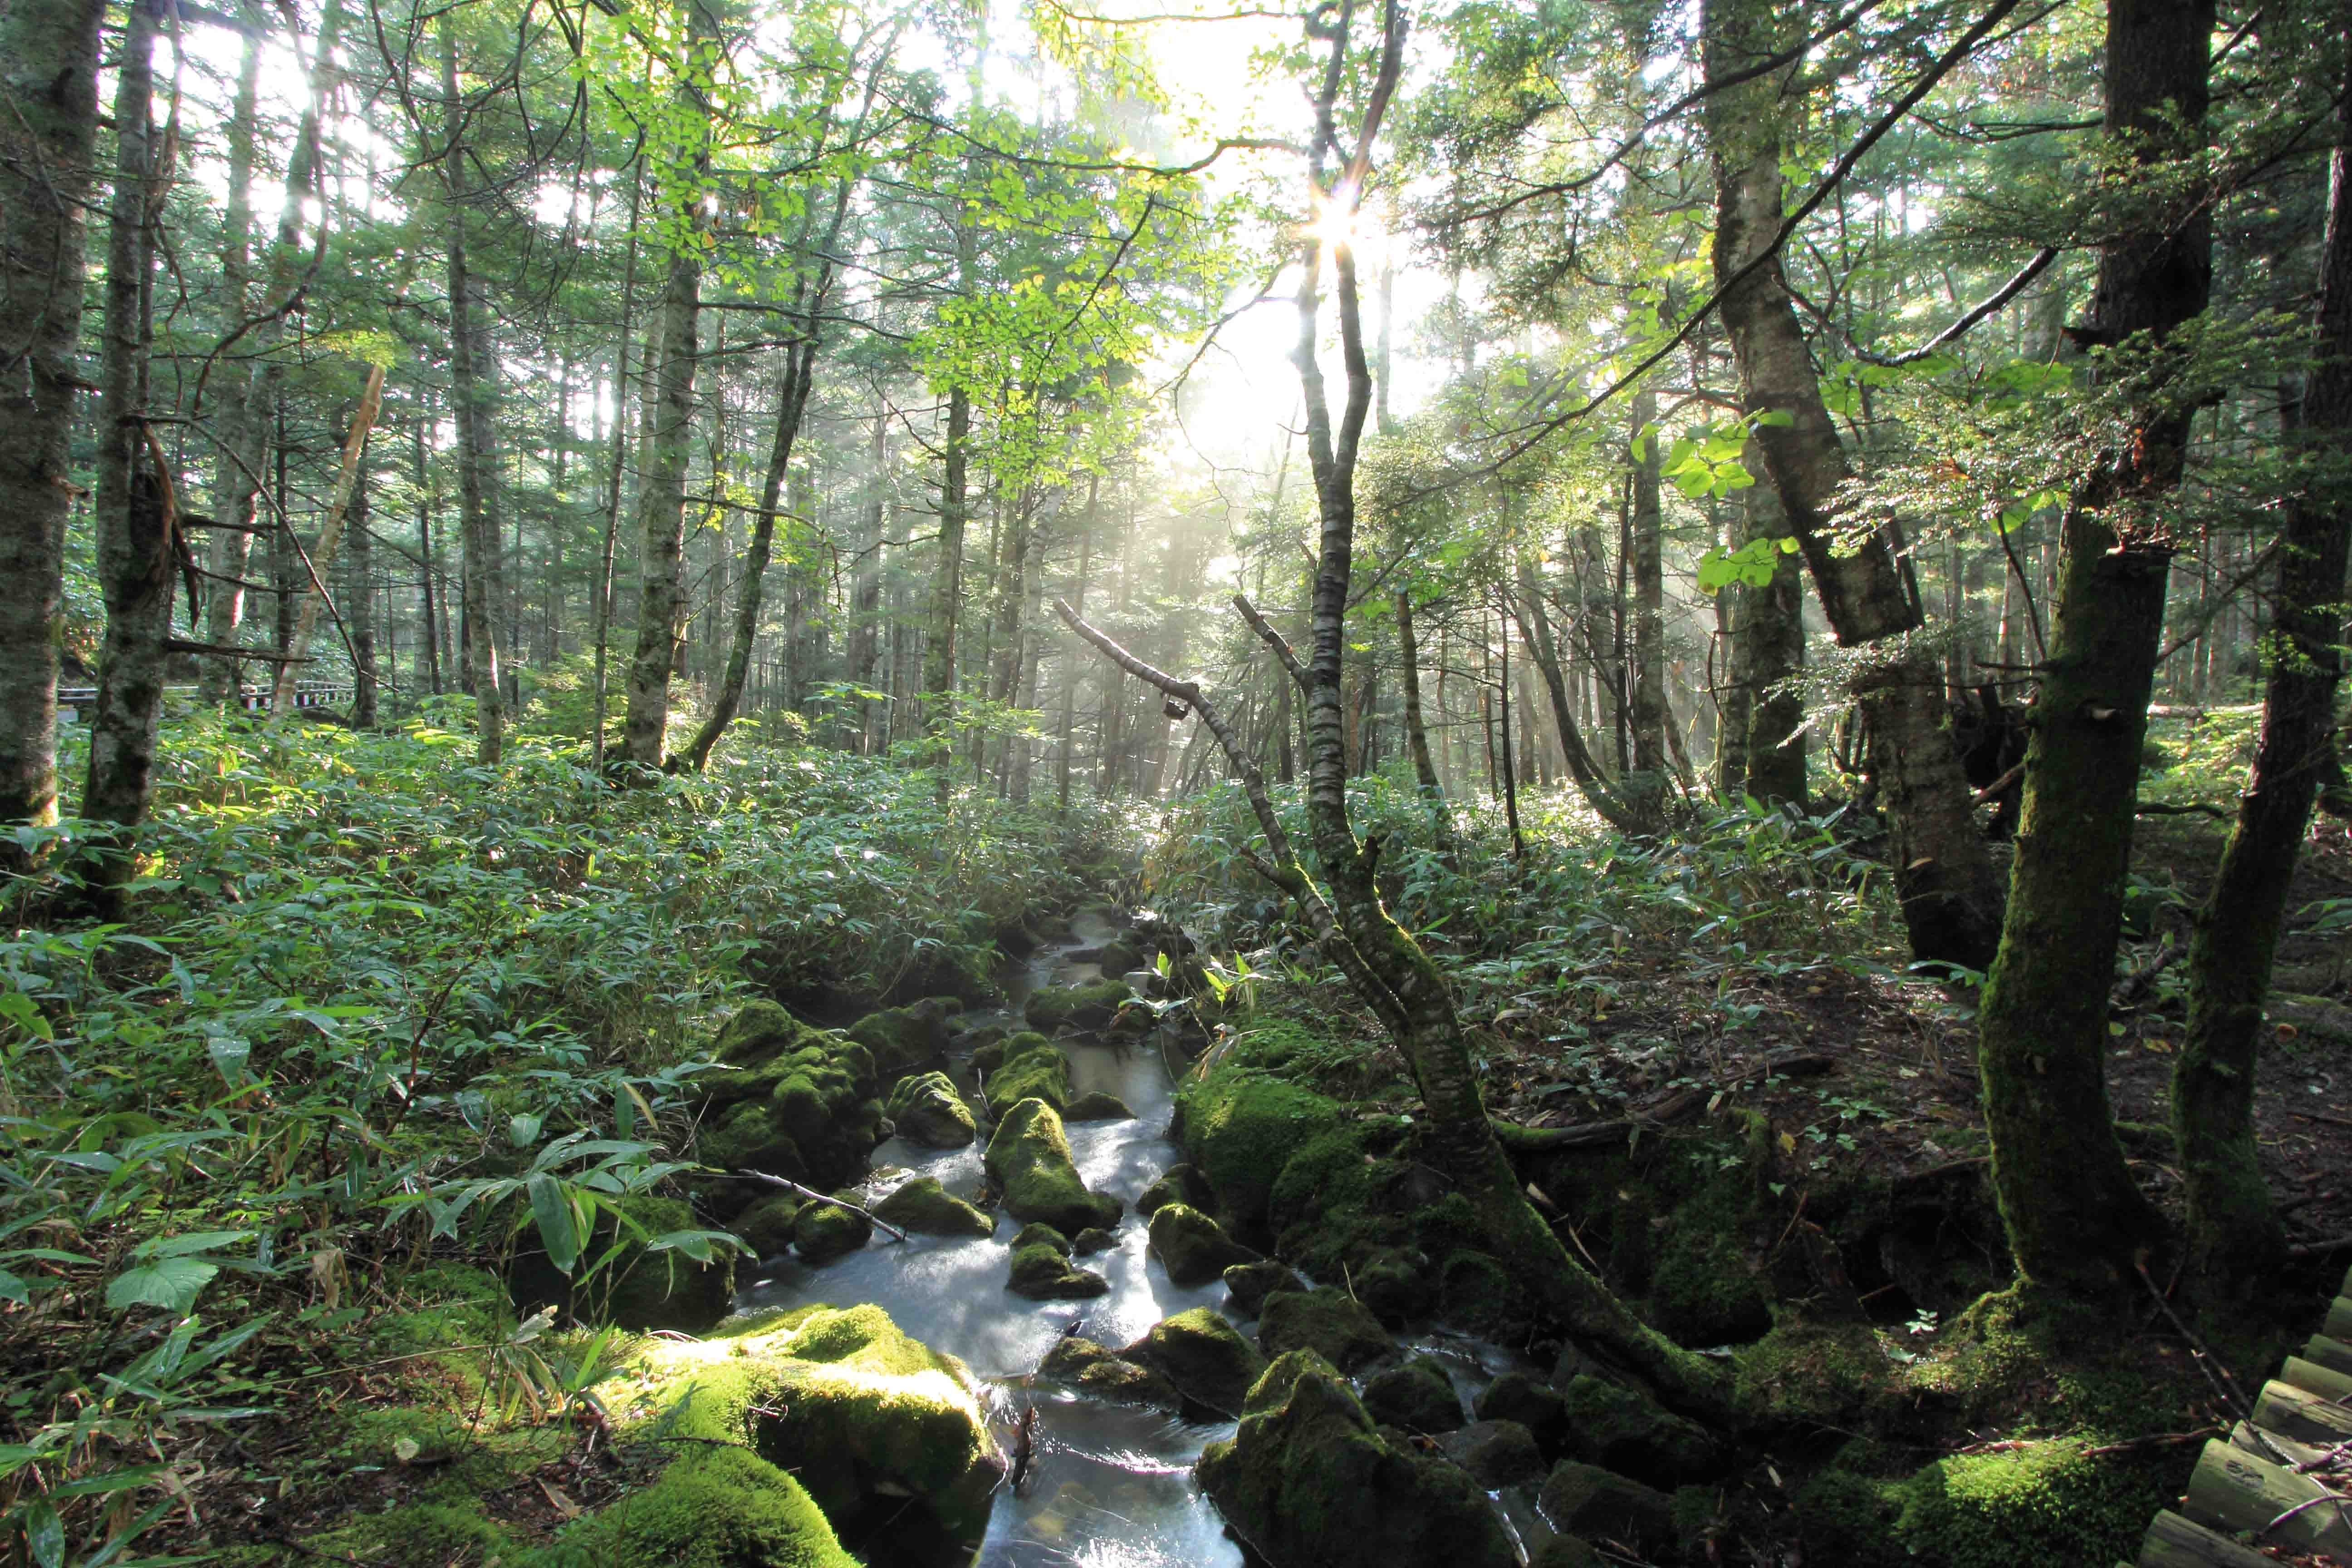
(1109,1486)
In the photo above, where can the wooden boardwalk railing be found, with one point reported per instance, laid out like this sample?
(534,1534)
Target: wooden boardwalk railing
(73,699)
(2283,1478)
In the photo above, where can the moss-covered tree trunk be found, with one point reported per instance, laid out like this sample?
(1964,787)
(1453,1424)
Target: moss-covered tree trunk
(2234,1238)
(1770,647)
(1943,872)
(1416,730)
(2076,1220)
(1645,677)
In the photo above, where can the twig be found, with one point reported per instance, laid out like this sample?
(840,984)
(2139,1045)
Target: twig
(811,1194)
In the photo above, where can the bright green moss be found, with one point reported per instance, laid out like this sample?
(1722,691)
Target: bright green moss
(1242,1129)
(1816,1374)
(419,1535)
(1033,1067)
(2046,1502)
(714,1506)
(1087,1006)
(1029,1160)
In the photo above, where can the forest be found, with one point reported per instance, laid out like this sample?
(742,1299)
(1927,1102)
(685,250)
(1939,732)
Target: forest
(1455,784)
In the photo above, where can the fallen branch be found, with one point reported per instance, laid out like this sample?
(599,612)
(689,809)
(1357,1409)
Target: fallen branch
(2187,808)
(1680,1106)
(813,1194)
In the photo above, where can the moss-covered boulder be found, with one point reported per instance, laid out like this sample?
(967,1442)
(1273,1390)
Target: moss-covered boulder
(1093,1240)
(826,1231)
(1397,1283)
(789,1101)
(1815,1375)
(1587,1500)
(1240,1130)
(1309,1483)
(1247,1285)
(1090,1005)
(1097,1106)
(1495,1454)
(639,1289)
(1103,1374)
(766,1227)
(1539,1408)
(1333,1325)
(927,1110)
(1417,1396)
(1119,955)
(1029,1161)
(1041,1268)
(903,1039)
(1623,1429)
(1176,1184)
(926,1208)
(1192,1246)
(1031,1068)
(1206,1357)
(1566,1551)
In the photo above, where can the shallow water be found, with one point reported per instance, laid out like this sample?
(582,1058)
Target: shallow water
(1109,1486)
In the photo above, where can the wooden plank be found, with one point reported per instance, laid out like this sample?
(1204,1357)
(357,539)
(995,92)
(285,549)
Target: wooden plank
(2333,1354)
(2271,1446)
(2173,1542)
(2316,1379)
(2340,1319)
(2234,1491)
(2302,1416)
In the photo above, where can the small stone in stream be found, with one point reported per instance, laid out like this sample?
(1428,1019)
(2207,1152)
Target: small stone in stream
(927,1110)
(1041,1268)
(1093,1240)
(924,1206)
(1028,1160)
(1627,1431)
(1204,1356)
(1119,955)
(766,1226)
(1097,1107)
(1587,1500)
(1176,1184)
(1087,1006)
(1309,1479)
(901,1040)
(1497,1454)
(1094,1369)
(1194,1247)
(1033,1067)
(826,1231)
(1249,1284)
(1335,1326)
(1042,1235)
(1417,1396)
(1516,1396)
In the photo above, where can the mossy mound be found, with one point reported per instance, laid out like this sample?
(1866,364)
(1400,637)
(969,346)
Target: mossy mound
(1192,1246)
(1704,1288)
(766,1227)
(902,1039)
(1203,1356)
(1815,1375)
(1417,1396)
(1031,1068)
(1623,1429)
(1306,1482)
(1103,1374)
(1240,1130)
(640,1287)
(1029,1161)
(926,1109)
(1340,1329)
(2043,1502)
(1097,1106)
(1539,1408)
(1092,1006)
(1495,1454)
(1586,1500)
(924,1206)
(1119,955)
(713,1507)
(1045,1273)
(1176,1184)
(789,1101)
(1249,1284)
(826,1231)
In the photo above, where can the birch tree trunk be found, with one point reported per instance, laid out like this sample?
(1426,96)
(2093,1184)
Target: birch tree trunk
(48,65)
(1771,648)
(473,391)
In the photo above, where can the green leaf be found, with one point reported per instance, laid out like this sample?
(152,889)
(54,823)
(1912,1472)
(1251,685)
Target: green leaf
(172,1283)
(44,1535)
(194,1241)
(12,1289)
(552,1211)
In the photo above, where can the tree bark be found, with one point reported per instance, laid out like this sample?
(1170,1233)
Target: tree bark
(1942,870)
(1645,568)
(1416,732)
(1770,647)
(614,475)
(1627,815)
(359,601)
(48,65)
(2075,1217)
(473,392)
(237,470)
(330,541)
(2234,1238)
(136,528)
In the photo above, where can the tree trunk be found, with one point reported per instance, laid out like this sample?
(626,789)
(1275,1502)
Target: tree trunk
(49,63)
(359,604)
(1424,767)
(1626,816)
(473,390)
(430,642)
(1771,648)
(236,471)
(1942,873)
(2075,1217)
(947,590)
(614,475)
(134,513)
(1646,566)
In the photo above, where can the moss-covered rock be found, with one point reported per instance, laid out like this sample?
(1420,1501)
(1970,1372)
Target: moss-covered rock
(1033,1067)
(1541,1409)
(1703,1287)
(1417,1396)
(1029,1161)
(1192,1246)
(1587,1500)
(1247,1285)
(1495,1454)
(750,1049)
(1815,1375)
(1623,1429)
(2045,1502)
(639,1288)
(903,1039)
(766,1226)
(1334,1326)
(1475,1291)
(1102,1374)
(924,1206)
(1088,1006)
(1176,1184)
(1206,1357)
(1044,1274)
(1306,1482)
(1566,1551)
(826,1231)
(788,1100)
(1240,1130)
(1119,955)
(1097,1106)
(1093,1240)
(1397,1283)
(927,1110)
